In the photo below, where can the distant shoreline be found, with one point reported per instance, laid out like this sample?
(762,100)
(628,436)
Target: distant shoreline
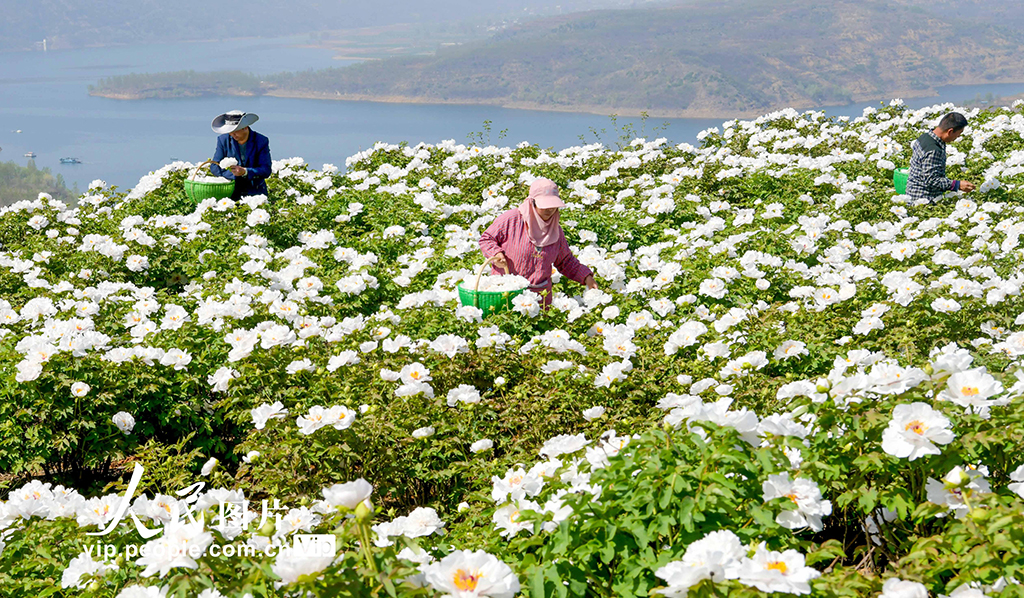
(585,109)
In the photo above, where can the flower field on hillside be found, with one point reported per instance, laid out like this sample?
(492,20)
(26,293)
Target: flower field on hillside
(791,380)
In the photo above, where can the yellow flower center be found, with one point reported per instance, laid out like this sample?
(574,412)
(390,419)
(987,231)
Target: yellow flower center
(916,426)
(466,581)
(778,566)
(969,391)
(415,375)
(792,496)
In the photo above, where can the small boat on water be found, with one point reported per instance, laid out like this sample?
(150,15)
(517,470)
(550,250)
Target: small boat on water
(70,161)
(30,154)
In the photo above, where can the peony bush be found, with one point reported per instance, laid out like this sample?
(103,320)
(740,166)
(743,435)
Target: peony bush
(791,380)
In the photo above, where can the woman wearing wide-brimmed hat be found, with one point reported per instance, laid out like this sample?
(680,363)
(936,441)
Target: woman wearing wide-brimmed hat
(249,148)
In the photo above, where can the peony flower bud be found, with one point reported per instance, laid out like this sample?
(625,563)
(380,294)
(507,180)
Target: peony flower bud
(364,513)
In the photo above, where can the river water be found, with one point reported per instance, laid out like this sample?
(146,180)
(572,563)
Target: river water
(45,95)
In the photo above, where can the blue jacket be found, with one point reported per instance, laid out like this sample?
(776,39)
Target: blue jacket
(256,161)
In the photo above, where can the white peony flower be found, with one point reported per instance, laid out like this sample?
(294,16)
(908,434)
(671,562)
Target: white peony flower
(209,466)
(257,216)
(516,485)
(914,431)
(771,571)
(422,521)
(712,287)
(137,263)
(527,303)
(481,445)
(220,379)
(564,444)
(898,588)
(349,494)
(714,557)
(290,566)
(463,394)
(945,306)
(124,422)
(415,372)
(176,358)
(84,565)
(790,349)
(1017,486)
(972,389)
(805,494)
(179,546)
(968,590)
(509,519)
(477,574)
(136,591)
(959,484)
(264,413)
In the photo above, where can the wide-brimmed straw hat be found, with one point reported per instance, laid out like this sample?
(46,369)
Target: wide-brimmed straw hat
(233,121)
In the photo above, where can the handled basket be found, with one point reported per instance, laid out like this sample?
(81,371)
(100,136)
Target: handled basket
(197,191)
(491,302)
(899,180)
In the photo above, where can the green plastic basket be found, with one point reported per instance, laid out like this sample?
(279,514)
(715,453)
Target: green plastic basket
(490,302)
(899,180)
(197,191)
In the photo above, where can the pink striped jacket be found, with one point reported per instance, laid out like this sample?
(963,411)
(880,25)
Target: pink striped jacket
(508,234)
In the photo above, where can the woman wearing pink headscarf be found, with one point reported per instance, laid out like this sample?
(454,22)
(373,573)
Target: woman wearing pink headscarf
(529,240)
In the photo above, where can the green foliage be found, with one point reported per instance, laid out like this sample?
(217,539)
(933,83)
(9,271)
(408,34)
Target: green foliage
(484,137)
(627,132)
(25,183)
(179,84)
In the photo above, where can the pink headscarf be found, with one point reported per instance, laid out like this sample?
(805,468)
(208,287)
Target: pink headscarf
(541,233)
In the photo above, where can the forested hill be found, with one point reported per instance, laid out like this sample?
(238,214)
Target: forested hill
(19,183)
(709,56)
(67,24)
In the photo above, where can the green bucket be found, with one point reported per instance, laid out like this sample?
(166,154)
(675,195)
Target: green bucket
(488,301)
(899,180)
(491,302)
(197,191)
